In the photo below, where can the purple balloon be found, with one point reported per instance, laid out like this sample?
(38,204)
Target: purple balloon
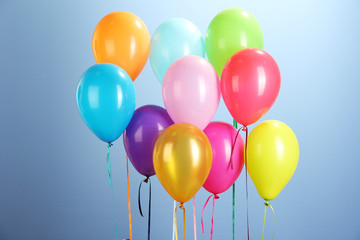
(141,134)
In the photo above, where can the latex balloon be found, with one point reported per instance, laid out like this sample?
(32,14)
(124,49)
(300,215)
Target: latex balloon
(272,157)
(105,98)
(182,160)
(191,91)
(222,137)
(122,38)
(172,40)
(141,134)
(230,31)
(250,84)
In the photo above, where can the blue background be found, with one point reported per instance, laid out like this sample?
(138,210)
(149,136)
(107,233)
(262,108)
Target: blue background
(53,176)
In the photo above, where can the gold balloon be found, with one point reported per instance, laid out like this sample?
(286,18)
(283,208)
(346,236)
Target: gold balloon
(182,160)
(272,157)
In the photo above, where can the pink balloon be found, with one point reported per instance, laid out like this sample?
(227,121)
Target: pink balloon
(191,91)
(222,136)
(250,84)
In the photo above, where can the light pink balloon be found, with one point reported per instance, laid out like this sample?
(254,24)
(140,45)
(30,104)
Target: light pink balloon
(191,91)
(222,136)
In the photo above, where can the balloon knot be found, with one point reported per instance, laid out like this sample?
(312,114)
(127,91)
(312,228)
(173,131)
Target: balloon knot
(146,180)
(266,203)
(244,129)
(216,196)
(181,206)
(110,144)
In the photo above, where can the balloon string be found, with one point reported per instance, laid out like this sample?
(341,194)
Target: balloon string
(180,205)
(194,211)
(108,163)
(246,181)
(272,209)
(233,212)
(173,235)
(128,191)
(147,180)
(215,196)
(232,148)
(233,197)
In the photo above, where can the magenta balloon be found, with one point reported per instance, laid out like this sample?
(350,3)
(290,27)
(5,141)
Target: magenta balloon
(141,134)
(222,136)
(191,91)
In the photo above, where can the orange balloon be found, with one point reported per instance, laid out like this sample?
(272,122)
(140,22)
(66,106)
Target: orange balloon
(123,39)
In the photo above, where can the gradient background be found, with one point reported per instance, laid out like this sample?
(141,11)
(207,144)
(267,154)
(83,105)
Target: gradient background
(53,176)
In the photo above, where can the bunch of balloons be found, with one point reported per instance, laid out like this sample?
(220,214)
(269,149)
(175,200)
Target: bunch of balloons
(180,144)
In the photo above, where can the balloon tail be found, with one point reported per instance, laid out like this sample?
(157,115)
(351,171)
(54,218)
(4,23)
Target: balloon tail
(147,180)
(246,130)
(194,211)
(215,196)
(272,209)
(128,190)
(108,163)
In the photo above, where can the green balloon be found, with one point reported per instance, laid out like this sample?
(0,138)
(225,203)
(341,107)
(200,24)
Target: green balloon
(229,32)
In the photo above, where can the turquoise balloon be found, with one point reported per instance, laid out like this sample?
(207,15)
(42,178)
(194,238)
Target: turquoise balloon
(105,98)
(172,40)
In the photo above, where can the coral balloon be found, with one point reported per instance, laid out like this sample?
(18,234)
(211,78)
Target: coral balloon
(222,136)
(250,84)
(191,91)
(230,31)
(141,134)
(182,160)
(272,157)
(105,98)
(122,38)
(172,40)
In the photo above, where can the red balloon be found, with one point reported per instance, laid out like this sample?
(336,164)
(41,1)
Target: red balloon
(250,84)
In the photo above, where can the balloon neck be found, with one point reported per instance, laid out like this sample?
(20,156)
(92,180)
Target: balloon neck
(181,205)
(244,128)
(110,144)
(266,203)
(146,179)
(216,196)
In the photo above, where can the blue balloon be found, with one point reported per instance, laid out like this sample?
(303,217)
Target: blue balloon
(105,98)
(173,39)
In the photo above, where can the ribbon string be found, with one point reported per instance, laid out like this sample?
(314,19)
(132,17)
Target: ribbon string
(147,180)
(233,194)
(267,204)
(246,130)
(180,205)
(194,211)
(232,148)
(173,235)
(215,196)
(108,163)
(128,191)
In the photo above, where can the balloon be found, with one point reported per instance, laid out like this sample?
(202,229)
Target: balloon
(272,157)
(182,160)
(122,38)
(250,84)
(191,91)
(172,40)
(105,98)
(230,31)
(222,136)
(141,134)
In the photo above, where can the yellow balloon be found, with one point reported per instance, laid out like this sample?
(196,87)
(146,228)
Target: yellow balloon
(182,160)
(272,157)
